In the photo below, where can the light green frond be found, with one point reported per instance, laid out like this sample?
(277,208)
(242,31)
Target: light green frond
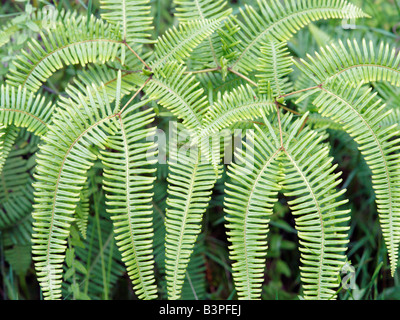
(281,21)
(98,77)
(353,62)
(132,16)
(360,114)
(178,43)
(240,104)
(20,108)
(274,66)
(128,182)
(7,138)
(300,168)
(62,164)
(322,226)
(180,93)
(201,9)
(250,196)
(194,286)
(74,42)
(189,192)
(209,52)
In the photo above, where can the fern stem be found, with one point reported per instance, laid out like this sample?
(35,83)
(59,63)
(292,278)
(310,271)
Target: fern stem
(243,77)
(280,124)
(137,56)
(203,71)
(299,91)
(26,113)
(133,97)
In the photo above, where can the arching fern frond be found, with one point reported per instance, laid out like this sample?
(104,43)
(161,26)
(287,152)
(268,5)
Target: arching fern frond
(7,138)
(128,182)
(240,104)
(74,42)
(209,52)
(62,164)
(178,43)
(360,115)
(180,93)
(190,184)
(250,197)
(281,21)
(353,62)
(295,162)
(322,226)
(20,108)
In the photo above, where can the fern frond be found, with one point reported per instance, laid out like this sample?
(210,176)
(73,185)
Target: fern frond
(201,9)
(353,62)
(13,179)
(274,66)
(20,108)
(321,224)
(240,104)
(132,16)
(96,77)
(178,43)
(180,93)
(281,21)
(15,216)
(295,162)
(62,164)
(7,138)
(128,182)
(248,204)
(19,258)
(189,190)
(360,115)
(74,42)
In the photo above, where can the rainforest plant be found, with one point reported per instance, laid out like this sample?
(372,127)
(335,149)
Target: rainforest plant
(218,73)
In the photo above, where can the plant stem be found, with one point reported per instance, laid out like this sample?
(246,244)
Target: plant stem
(134,96)
(299,91)
(280,125)
(134,52)
(243,77)
(204,71)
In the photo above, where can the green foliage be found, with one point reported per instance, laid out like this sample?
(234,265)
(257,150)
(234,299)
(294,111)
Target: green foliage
(122,150)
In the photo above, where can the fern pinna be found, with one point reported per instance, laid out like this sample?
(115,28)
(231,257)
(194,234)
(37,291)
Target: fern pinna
(217,70)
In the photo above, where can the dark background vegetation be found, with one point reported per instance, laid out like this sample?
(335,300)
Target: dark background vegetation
(367,253)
